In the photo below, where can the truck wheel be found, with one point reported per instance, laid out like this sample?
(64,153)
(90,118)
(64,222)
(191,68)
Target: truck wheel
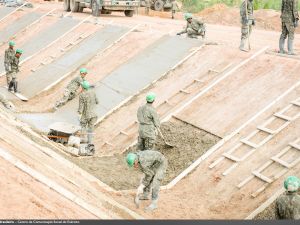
(129,13)
(158,5)
(67,5)
(95,8)
(74,5)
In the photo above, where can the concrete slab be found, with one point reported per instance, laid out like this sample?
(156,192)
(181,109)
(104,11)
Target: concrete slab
(45,38)
(124,82)
(5,11)
(157,58)
(18,25)
(80,54)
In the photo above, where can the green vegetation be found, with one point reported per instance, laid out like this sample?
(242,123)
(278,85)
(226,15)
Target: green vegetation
(198,5)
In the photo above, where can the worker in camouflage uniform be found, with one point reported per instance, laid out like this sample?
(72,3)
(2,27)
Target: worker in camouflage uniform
(247,21)
(147,6)
(6,103)
(154,165)
(8,56)
(71,89)
(289,21)
(174,8)
(14,69)
(194,27)
(288,204)
(86,111)
(148,124)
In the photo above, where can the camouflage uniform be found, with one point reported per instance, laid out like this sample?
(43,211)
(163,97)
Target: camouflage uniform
(147,7)
(154,165)
(247,20)
(174,8)
(12,76)
(148,123)
(289,20)
(194,29)
(70,91)
(8,56)
(288,206)
(87,102)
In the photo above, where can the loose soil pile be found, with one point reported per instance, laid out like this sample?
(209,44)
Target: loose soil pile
(267,214)
(189,144)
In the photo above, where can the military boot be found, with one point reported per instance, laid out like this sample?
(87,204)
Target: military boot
(152,206)
(10,86)
(16,87)
(281,45)
(242,45)
(290,47)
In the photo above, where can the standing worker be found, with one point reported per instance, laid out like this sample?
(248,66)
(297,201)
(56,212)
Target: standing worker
(194,27)
(154,165)
(86,111)
(14,69)
(288,204)
(247,20)
(289,21)
(147,7)
(8,56)
(148,124)
(71,89)
(174,8)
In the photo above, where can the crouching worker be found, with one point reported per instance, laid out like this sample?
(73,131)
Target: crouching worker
(194,27)
(288,204)
(154,165)
(14,69)
(87,114)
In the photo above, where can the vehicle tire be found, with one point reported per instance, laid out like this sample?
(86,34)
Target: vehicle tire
(129,13)
(80,9)
(95,8)
(67,5)
(158,5)
(74,6)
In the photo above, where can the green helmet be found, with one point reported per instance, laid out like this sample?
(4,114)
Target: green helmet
(150,97)
(130,158)
(188,16)
(85,85)
(20,51)
(11,43)
(292,183)
(83,70)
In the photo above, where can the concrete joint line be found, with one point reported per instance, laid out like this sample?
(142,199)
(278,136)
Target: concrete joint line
(66,33)
(56,187)
(228,137)
(13,12)
(265,204)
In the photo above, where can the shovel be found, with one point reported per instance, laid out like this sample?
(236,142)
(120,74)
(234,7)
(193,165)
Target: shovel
(166,143)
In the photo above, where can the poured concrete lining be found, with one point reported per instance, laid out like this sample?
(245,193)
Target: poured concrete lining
(4,11)
(127,80)
(9,31)
(44,38)
(78,55)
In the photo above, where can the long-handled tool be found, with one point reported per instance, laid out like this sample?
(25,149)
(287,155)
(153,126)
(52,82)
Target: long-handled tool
(166,143)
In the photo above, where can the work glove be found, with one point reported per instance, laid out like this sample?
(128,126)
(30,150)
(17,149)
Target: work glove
(296,23)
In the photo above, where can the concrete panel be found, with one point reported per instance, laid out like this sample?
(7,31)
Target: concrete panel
(44,38)
(127,80)
(18,25)
(5,11)
(157,58)
(80,54)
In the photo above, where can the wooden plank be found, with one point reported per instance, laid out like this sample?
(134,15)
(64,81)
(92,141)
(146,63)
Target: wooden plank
(216,162)
(294,145)
(231,157)
(287,118)
(262,177)
(230,169)
(281,162)
(244,182)
(253,145)
(296,103)
(261,189)
(267,130)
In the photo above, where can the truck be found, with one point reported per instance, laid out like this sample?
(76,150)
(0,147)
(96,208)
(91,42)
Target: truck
(102,6)
(159,5)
